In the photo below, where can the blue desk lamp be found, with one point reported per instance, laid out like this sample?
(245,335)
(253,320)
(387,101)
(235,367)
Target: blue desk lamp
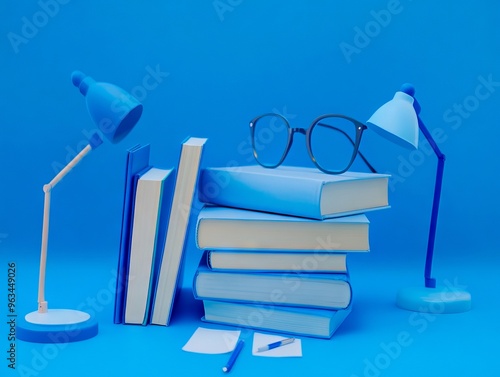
(399,122)
(115,112)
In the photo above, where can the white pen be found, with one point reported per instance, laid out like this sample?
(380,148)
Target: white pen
(276,344)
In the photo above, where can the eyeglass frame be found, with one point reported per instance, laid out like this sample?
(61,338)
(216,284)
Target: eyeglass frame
(360,127)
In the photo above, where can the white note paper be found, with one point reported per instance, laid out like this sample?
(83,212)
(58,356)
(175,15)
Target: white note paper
(212,341)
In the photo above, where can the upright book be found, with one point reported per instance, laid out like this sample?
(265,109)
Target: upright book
(295,191)
(223,228)
(321,290)
(171,263)
(149,225)
(137,161)
(320,323)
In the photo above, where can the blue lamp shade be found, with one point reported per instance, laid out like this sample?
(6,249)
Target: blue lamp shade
(397,121)
(111,108)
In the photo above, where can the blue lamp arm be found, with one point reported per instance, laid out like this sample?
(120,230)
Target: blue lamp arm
(429,281)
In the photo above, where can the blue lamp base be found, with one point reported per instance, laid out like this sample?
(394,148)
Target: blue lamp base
(434,300)
(56,326)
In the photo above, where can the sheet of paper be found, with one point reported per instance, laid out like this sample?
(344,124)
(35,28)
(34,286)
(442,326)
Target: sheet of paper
(289,350)
(212,341)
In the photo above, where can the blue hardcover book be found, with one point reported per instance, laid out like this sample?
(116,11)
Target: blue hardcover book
(318,290)
(295,191)
(171,264)
(149,226)
(169,188)
(319,323)
(137,162)
(224,228)
(276,261)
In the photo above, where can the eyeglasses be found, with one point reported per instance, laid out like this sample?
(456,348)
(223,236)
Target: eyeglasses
(332,141)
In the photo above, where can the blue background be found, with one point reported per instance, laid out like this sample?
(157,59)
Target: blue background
(205,68)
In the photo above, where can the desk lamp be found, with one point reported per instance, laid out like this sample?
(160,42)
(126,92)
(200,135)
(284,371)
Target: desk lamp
(398,120)
(115,113)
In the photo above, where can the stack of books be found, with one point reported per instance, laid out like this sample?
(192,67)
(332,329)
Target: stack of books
(275,244)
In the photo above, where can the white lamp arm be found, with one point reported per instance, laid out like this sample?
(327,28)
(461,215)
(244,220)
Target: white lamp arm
(94,143)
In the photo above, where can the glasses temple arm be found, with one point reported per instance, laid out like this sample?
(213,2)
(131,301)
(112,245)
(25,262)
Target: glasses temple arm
(372,169)
(370,166)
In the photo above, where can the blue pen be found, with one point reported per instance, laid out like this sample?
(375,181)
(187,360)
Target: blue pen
(276,344)
(233,357)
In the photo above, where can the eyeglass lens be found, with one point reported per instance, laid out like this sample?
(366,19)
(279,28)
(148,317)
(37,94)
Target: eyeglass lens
(270,139)
(332,143)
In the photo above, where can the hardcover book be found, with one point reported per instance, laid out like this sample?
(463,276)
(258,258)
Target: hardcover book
(268,261)
(149,226)
(137,162)
(223,228)
(171,264)
(299,321)
(295,191)
(321,290)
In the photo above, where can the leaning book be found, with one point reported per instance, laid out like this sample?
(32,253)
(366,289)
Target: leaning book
(149,226)
(294,191)
(171,264)
(299,321)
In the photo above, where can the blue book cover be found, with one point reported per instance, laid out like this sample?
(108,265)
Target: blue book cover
(137,162)
(295,191)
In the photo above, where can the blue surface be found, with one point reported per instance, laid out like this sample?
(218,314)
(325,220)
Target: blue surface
(376,333)
(206,69)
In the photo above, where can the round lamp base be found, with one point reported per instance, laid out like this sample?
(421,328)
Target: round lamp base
(434,300)
(56,326)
